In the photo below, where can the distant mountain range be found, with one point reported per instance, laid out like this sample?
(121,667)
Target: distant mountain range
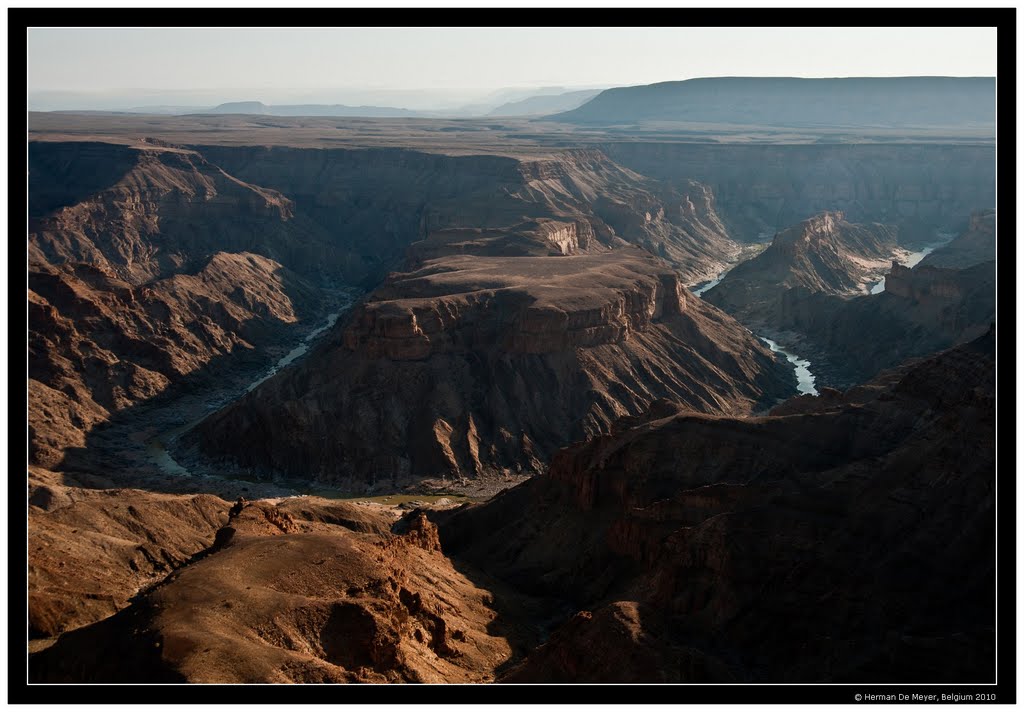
(545,104)
(256,107)
(506,102)
(786,101)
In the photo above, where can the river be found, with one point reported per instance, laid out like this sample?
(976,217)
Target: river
(801,367)
(708,285)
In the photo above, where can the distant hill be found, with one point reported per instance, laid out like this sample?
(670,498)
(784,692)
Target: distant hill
(257,107)
(786,101)
(545,104)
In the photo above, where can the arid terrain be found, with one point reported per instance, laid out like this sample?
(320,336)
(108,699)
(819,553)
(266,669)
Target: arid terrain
(600,396)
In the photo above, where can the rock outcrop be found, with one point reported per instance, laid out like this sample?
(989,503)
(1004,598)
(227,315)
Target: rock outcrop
(851,540)
(823,254)
(285,598)
(470,366)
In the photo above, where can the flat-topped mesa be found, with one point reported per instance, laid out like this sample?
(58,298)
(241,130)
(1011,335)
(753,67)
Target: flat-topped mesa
(583,301)
(474,366)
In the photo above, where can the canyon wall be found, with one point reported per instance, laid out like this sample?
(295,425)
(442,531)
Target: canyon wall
(763,188)
(379,201)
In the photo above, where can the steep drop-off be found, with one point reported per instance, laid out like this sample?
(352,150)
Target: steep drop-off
(840,539)
(846,539)
(166,214)
(387,199)
(470,366)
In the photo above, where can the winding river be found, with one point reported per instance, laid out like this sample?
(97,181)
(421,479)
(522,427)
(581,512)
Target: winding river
(156,448)
(801,367)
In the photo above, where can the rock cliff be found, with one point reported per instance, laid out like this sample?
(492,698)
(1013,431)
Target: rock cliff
(399,197)
(845,540)
(164,215)
(150,262)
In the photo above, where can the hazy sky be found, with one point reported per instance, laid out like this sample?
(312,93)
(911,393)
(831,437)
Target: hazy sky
(440,58)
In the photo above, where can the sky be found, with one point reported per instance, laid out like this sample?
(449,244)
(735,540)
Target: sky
(281,64)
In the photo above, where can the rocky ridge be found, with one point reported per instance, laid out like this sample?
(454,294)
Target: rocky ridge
(98,345)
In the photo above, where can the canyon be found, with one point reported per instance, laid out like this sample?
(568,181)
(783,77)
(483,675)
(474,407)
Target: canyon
(410,400)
